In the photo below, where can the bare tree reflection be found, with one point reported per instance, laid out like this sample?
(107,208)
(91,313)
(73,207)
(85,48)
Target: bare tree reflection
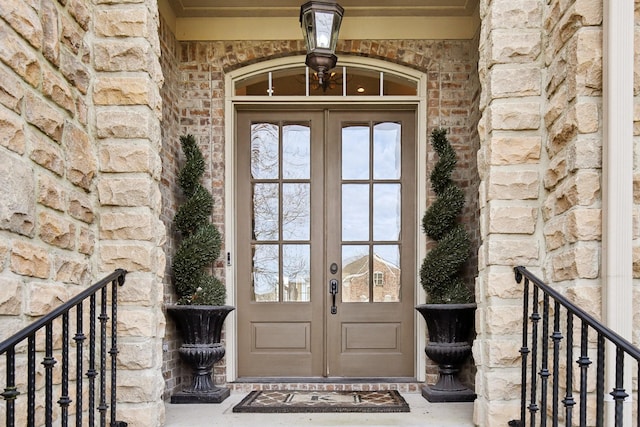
(281,206)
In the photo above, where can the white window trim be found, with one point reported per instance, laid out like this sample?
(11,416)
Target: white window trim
(232,102)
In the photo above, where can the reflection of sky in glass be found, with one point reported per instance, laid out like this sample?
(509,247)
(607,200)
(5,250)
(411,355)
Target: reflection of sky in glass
(264,151)
(355,212)
(386,197)
(296,211)
(386,212)
(265,269)
(386,151)
(324,23)
(296,155)
(355,152)
(265,211)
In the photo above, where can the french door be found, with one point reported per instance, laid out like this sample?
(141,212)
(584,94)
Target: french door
(326,243)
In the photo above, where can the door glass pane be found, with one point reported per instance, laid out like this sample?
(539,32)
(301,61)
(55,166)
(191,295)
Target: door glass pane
(355,152)
(296,155)
(386,151)
(296,211)
(265,272)
(355,273)
(296,273)
(355,212)
(386,273)
(264,151)
(265,212)
(386,212)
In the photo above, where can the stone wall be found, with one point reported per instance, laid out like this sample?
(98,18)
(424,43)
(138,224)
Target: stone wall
(540,165)
(79,172)
(453,96)
(127,125)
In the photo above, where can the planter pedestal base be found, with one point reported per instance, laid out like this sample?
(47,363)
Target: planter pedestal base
(214,396)
(437,396)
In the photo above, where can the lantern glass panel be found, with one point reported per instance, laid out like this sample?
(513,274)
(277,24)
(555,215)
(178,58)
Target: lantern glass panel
(324,29)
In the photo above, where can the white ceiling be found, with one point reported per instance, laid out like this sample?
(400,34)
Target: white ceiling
(291,8)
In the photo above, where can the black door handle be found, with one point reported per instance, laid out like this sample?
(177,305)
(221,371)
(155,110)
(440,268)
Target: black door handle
(333,290)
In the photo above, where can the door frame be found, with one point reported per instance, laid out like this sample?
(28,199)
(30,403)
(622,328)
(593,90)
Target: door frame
(231,105)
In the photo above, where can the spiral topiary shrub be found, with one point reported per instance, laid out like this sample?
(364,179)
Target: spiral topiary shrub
(201,240)
(440,273)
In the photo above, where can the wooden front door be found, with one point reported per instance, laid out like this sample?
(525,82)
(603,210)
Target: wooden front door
(326,243)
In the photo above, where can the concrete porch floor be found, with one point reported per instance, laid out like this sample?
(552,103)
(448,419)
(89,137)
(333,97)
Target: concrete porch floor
(422,413)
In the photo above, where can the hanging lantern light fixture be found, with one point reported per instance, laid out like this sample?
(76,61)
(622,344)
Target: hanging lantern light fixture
(320,22)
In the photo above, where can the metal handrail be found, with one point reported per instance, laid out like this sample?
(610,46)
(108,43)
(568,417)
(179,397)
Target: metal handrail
(541,368)
(617,339)
(8,348)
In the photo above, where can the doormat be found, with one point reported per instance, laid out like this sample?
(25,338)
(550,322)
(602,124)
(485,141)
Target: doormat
(283,401)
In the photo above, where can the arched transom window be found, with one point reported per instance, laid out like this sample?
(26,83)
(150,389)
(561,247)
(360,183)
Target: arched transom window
(346,79)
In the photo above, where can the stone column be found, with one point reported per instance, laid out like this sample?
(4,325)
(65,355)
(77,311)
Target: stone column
(540,161)
(511,168)
(127,117)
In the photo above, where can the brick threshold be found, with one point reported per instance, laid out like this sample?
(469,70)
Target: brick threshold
(403,385)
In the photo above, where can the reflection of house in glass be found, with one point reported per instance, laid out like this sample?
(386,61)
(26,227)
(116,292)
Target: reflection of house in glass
(295,289)
(356,282)
(266,288)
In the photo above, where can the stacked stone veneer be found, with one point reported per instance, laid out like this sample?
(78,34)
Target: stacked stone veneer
(453,96)
(540,167)
(79,174)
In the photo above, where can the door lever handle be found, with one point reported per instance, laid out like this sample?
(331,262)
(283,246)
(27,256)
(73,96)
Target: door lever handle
(333,290)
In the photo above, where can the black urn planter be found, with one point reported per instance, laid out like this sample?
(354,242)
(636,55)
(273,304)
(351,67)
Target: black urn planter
(450,327)
(201,327)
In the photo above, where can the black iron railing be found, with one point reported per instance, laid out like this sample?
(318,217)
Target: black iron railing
(56,324)
(549,393)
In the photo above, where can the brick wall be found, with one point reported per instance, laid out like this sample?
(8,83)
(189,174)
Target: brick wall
(453,97)
(172,369)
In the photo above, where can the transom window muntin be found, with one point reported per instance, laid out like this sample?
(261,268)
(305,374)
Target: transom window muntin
(347,80)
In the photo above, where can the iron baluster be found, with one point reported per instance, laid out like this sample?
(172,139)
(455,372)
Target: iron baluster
(103,318)
(91,372)
(31,380)
(79,339)
(600,382)
(65,400)
(48,362)
(556,337)
(113,352)
(618,392)
(638,402)
(524,351)
(544,371)
(584,362)
(535,319)
(11,392)
(568,400)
